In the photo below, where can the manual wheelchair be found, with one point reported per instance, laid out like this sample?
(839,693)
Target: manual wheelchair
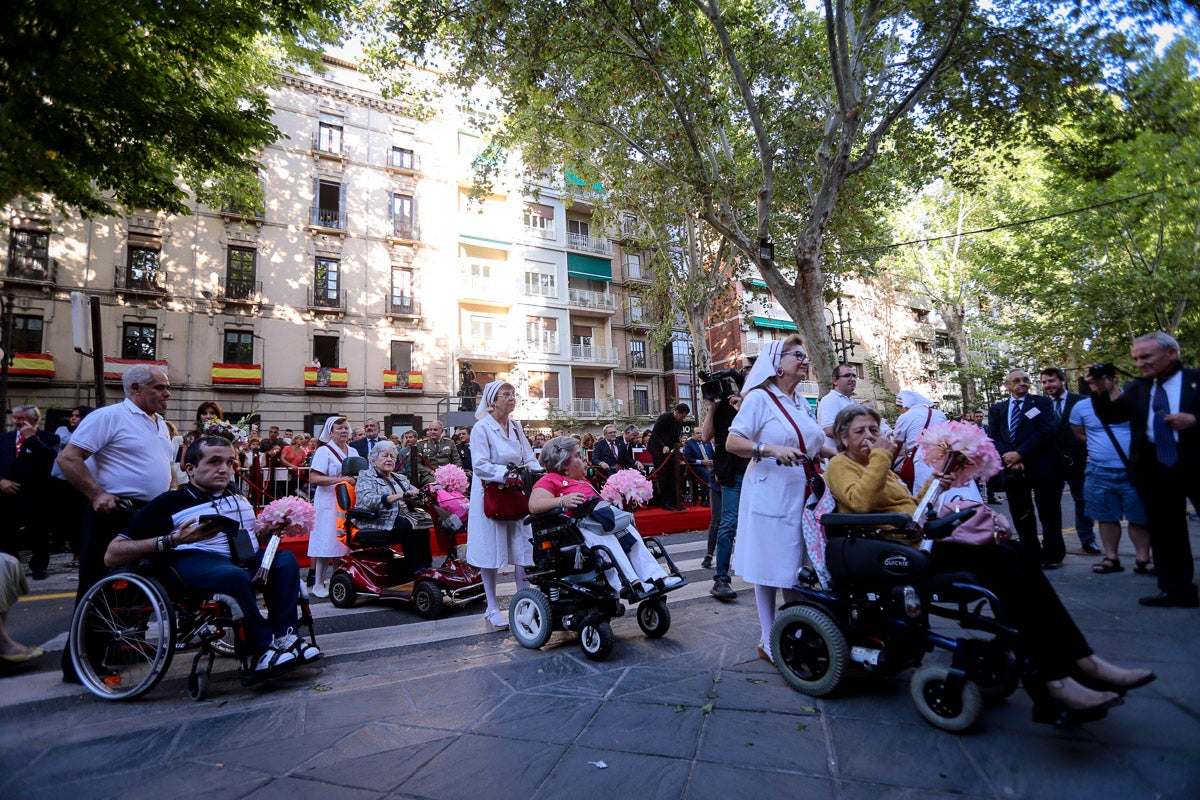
(877,616)
(128,627)
(570,592)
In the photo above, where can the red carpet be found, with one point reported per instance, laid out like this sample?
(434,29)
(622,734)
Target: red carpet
(654,521)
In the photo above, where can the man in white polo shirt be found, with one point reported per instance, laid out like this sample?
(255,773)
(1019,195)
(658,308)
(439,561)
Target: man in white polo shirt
(845,380)
(118,453)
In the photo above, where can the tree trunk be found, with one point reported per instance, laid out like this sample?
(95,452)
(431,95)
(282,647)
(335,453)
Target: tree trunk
(956,329)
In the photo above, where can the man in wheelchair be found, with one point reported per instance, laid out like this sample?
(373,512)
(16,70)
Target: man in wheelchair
(193,530)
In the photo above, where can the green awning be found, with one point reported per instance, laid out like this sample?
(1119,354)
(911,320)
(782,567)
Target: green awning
(777,324)
(757,284)
(581,266)
(483,241)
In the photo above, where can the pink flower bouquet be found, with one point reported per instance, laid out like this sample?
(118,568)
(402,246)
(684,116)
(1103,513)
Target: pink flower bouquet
(627,489)
(451,478)
(964,449)
(287,516)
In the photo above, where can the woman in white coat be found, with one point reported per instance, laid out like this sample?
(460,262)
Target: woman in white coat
(919,414)
(323,544)
(497,441)
(775,429)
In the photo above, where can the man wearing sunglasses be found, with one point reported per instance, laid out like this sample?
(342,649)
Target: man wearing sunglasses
(845,380)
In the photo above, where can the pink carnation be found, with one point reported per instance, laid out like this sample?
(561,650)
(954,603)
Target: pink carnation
(961,447)
(627,489)
(293,516)
(451,477)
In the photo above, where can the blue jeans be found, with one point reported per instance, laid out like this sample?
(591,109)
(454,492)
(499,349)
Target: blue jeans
(714,512)
(213,572)
(730,497)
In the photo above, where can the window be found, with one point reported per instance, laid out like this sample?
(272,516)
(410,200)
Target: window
(921,347)
(633,266)
(402,158)
(579,227)
(543,386)
(482,331)
(636,313)
(678,355)
(541,334)
(326,283)
(641,401)
(404,221)
(859,370)
(402,301)
(920,315)
(584,388)
(329,206)
(325,350)
(29,255)
(139,340)
(26,334)
(239,273)
(684,391)
(401,360)
(329,134)
(637,354)
(239,346)
(541,279)
(539,219)
(143,269)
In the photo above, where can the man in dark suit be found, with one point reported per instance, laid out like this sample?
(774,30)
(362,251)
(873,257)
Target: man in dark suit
(370,438)
(606,454)
(1023,428)
(26,456)
(630,438)
(1074,452)
(1162,408)
(664,443)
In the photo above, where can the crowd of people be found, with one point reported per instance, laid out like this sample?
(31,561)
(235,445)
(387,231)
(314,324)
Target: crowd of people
(1126,454)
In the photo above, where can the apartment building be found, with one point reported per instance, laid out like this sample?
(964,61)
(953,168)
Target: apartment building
(366,286)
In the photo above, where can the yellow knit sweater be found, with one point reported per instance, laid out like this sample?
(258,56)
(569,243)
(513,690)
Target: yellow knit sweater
(873,489)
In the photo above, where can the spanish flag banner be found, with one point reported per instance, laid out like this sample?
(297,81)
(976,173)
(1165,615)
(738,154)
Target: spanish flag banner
(32,365)
(237,374)
(114,368)
(391,380)
(338,377)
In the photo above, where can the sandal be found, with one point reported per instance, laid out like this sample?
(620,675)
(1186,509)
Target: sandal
(1144,568)
(1108,565)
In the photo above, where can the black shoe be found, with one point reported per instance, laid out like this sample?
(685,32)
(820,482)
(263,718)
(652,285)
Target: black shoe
(1091,548)
(1183,599)
(722,590)
(1048,565)
(39,575)
(706,563)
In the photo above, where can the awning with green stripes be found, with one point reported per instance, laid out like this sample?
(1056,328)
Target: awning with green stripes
(777,324)
(591,267)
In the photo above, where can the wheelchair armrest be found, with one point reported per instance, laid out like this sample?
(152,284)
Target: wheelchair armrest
(836,520)
(942,527)
(360,514)
(544,515)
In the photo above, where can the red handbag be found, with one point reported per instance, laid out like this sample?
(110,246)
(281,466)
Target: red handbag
(507,501)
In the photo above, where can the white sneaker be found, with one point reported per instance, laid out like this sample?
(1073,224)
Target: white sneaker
(671,581)
(305,651)
(320,591)
(274,659)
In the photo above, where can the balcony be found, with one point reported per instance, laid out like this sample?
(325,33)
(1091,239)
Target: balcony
(589,244)
(404,162)
(404,230)
(328,147)
(33,271)
(239,291)
(539,290)
(592,407)
(648,363)
(326,378)
(403,382)
(485,284)
(236,214)
(323,299)
(486,349)
(599,302)
(546,345)
(539,231)
(594,355)
(327,219)
(139,280)
(398,305)
(236,376)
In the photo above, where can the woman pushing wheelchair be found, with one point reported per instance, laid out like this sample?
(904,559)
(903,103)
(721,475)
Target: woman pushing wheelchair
(1073,677)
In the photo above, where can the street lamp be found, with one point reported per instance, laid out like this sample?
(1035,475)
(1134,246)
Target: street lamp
(766,250)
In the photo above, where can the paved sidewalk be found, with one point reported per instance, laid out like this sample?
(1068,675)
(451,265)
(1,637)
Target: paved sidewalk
(695,715)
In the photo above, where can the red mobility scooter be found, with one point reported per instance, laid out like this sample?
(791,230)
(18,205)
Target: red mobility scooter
(375,569)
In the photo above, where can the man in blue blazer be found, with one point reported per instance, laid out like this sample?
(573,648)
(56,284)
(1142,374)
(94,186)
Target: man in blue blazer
(1024,429)
(1074,452)
(1163,407)
(26,456)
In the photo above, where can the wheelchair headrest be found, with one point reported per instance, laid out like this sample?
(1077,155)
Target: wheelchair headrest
(354,465)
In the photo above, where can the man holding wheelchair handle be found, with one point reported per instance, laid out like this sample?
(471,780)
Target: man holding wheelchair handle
(195,529)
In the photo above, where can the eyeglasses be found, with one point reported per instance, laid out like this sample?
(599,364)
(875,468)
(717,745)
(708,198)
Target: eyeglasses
(506,395)
(847,375)
(799,355)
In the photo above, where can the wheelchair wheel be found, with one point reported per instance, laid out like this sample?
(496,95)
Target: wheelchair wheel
(942,706)
(122,635)
(653,618)
(341,591)
(596,639)
(530,617)
(810,650)
(427,598)
(996,675)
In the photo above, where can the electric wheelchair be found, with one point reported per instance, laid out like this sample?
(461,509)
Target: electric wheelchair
(129,626)
(569,590)
(877,614)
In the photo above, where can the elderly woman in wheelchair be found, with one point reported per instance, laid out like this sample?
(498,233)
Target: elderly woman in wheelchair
(127,625)
(587,558)
(872,552)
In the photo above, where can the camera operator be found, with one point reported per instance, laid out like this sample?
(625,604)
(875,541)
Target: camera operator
(721,391)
